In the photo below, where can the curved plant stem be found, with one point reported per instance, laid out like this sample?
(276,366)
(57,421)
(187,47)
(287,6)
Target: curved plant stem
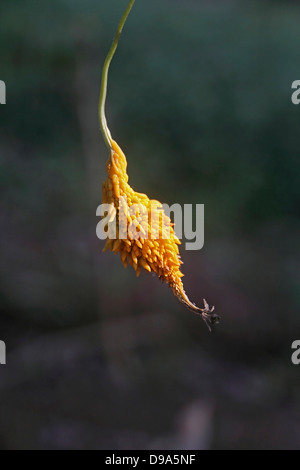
(103,92)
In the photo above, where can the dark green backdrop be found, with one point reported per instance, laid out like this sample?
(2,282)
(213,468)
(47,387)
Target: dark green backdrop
(200,101)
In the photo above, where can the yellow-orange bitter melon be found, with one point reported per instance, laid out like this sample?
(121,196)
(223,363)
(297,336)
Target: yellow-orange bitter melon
(155,249)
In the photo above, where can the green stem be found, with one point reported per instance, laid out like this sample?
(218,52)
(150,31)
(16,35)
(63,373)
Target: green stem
(103,92)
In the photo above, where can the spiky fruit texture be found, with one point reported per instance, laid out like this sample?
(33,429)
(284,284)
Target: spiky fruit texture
(156,247)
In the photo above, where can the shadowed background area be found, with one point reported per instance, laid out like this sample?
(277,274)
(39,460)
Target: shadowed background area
(200,101)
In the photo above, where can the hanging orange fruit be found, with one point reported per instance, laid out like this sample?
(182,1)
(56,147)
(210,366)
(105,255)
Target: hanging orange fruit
(144,236)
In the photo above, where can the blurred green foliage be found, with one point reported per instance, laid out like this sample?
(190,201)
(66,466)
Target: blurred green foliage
(199,99)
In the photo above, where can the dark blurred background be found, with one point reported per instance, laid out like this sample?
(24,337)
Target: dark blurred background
(200,101)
